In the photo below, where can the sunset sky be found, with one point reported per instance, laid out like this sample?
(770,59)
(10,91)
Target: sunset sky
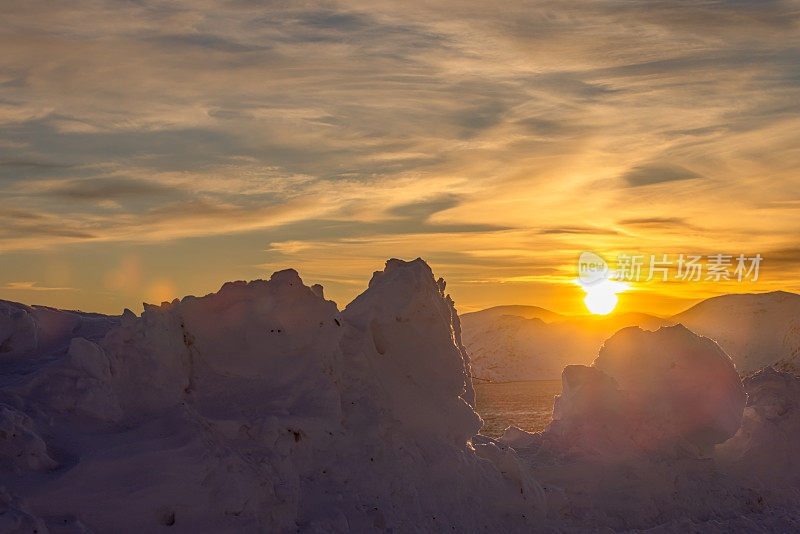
(150,150)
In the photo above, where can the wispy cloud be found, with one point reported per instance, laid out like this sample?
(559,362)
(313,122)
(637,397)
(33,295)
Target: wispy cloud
(657,174)
(31,286)
(491,137)
(111,189)
(588,230)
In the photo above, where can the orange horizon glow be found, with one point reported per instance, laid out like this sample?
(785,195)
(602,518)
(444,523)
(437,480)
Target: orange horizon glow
(559,293)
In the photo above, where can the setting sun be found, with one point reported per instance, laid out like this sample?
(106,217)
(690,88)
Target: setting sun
(600,302)
(601,297)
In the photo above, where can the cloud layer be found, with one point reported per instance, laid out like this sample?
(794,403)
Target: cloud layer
(497,140)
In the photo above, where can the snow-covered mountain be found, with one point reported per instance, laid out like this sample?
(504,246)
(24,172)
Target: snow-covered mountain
(527,312)
(508,347)
(264,408)
(500,342)
(505,346)
(754,329)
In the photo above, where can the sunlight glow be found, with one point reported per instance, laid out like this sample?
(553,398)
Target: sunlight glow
(601,297)
(600,302)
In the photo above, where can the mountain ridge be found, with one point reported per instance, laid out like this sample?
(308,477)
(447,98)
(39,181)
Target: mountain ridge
(756,329)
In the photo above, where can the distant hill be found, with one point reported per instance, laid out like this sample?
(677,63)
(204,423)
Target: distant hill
(756,329)
(614,322)
(528,312)
(528,342)
(505,346)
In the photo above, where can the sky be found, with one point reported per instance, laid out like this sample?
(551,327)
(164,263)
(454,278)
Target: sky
(150,150)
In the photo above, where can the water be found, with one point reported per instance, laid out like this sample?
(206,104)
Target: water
(527,404)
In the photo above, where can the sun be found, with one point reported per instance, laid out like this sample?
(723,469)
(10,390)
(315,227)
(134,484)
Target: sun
(601,297)
(600,302)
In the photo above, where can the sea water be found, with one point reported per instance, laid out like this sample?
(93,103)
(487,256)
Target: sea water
(526,404)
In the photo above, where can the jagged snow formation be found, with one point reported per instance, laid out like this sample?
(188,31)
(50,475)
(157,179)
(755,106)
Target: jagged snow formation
(258,408)
(263,408)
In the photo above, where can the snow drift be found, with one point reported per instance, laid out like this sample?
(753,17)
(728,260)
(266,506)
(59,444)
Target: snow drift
(260,407)
(263,407)
(39,331)
(765,448)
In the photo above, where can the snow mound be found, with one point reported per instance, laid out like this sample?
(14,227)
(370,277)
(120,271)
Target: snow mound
(765,448)
(259,408)
(632,442)
(662,391)
(679,379)
(20,445)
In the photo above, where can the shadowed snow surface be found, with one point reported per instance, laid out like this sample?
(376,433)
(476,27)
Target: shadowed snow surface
(264,408)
